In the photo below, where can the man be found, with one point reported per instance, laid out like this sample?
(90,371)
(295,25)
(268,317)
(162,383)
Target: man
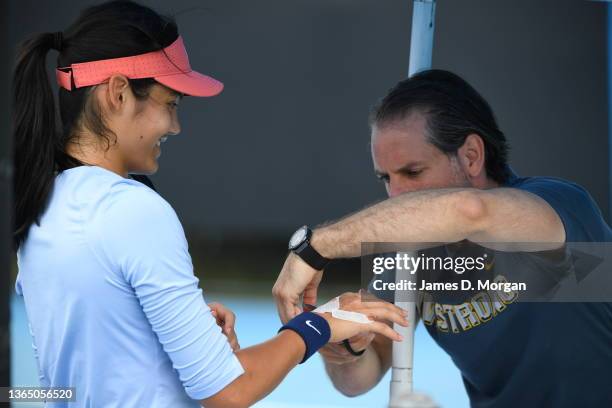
(438,149)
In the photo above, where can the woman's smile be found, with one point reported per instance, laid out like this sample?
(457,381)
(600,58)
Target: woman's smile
(162,140)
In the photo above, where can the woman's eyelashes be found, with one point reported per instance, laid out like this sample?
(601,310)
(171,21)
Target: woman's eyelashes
(174,103)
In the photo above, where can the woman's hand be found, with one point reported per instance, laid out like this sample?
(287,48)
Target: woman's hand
(226,319)
(379,312)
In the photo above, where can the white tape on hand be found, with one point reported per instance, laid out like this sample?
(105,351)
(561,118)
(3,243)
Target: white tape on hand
(333,307)
(329,307)
(351,316)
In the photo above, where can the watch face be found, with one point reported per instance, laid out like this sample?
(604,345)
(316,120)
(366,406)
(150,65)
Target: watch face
(297,238)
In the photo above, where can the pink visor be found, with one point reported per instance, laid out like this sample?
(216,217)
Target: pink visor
(169,67)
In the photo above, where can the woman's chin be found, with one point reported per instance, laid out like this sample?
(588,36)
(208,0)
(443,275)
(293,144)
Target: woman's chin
(147,170)
(153,169)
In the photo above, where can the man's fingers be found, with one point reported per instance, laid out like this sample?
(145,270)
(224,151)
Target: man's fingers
(359,343)
(310,296)
(310,291)
(291,311)
(295,280)
(286,305)
(334,350)
(336,354)
(340,360)
(286,309)
(279,306)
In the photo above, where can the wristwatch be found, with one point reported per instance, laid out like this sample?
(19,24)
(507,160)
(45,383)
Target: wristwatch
(300,245)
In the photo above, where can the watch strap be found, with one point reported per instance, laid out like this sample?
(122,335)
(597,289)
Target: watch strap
(311,256)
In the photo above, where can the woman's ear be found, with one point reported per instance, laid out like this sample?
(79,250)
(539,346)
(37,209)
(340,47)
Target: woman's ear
(472,155)
(117,92)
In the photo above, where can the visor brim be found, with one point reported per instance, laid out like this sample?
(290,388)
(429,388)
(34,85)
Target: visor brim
(191,83)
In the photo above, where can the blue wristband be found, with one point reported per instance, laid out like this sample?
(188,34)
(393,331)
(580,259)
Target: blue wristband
(312,328)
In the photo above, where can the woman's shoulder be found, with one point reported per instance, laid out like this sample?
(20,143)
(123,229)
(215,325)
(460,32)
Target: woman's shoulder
(132,198)
(128,211)
(127,220)
(108,195)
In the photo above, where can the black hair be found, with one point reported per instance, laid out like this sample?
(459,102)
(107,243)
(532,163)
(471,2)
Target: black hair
(109,30)
(453,110)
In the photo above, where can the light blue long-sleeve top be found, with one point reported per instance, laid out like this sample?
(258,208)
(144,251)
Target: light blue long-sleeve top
(112,302)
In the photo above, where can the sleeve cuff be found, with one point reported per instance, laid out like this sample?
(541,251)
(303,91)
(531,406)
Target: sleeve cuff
(232,371)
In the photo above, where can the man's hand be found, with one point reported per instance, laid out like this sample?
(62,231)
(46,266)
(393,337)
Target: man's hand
(296,278)
(226,319)
(336,353)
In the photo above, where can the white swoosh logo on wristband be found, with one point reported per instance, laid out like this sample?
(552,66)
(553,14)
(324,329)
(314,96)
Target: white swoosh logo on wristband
(309,324)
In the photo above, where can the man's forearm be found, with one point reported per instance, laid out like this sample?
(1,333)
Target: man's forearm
(357,377)
(443,215)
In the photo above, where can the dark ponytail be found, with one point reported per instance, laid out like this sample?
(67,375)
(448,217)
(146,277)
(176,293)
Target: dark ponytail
(41,135)
(35,132)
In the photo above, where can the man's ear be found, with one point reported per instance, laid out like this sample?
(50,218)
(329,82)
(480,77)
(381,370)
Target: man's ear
(118,90)
(472,155)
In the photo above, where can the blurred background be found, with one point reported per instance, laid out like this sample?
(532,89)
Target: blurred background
(287,142)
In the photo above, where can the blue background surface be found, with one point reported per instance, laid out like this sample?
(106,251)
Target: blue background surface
(306,386)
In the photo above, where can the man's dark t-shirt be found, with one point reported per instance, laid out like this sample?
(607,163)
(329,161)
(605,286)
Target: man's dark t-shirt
(535,354)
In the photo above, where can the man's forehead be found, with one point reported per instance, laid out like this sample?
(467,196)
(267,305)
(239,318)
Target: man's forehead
(403,138)
(402,145)
(412,124)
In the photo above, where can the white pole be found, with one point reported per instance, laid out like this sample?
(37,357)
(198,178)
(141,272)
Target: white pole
(402,394)
(401,374)
(401,387)
(421,40)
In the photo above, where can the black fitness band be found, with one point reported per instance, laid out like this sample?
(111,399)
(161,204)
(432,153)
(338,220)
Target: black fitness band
(347,345)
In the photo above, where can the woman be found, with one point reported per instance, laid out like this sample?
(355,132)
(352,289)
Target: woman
(112,301)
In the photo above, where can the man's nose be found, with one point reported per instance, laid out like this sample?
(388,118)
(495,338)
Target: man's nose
(396,187)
